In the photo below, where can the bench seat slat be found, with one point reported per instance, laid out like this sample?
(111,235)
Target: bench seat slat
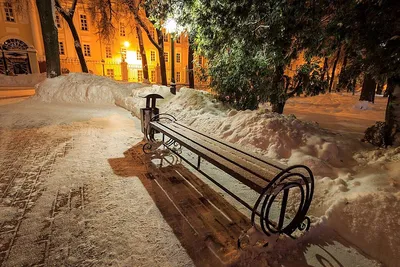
(237,172)
(258,166)
(254,157)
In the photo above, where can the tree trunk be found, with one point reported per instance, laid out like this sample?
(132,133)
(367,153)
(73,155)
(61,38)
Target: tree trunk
(324,69)
(50,37)
(160,48)
(368,89)
(343,81)
(334,69)
(379,88)
(277,100)
(77,42)
(392,117)
(190,63)
(145,67)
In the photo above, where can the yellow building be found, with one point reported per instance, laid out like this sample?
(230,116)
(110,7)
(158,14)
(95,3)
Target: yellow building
(23,50)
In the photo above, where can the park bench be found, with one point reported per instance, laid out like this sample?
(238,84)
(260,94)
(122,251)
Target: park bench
(271,180)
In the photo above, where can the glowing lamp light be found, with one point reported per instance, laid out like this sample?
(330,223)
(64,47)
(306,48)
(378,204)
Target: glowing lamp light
(170,25)
(127,44)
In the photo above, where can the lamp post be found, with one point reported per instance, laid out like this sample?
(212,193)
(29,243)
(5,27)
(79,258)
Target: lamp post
(102,63)
(170,26)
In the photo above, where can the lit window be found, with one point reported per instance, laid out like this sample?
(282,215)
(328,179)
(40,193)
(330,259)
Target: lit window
(121,29)
(86,50)
(178,77)
(178,40)
(9,12)
(84,23)
(153,75)
(166,56)
(108,52)
(138,55)
(165,37)
(140,75)
(61,48)
(58,21)
(110,73)
(178,57)
(152,55)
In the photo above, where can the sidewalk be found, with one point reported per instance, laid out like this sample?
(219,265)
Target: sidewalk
(14,92)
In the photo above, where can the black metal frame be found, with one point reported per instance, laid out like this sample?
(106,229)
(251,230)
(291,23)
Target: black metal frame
(297,176)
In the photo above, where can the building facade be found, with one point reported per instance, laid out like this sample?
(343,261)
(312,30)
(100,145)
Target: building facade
(23,51)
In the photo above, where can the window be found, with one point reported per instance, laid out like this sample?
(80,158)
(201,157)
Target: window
(9,12)
(200,60)
(166,56)
(108,52)
(138,55)
(153,76)
(84,23)
(152,33)
(178,77)
(86,50)
(140,75)
(58,21)
(165,35)
(178,40)
(178,57)
(121,29)
(152,55)
(110,73)
(61,48)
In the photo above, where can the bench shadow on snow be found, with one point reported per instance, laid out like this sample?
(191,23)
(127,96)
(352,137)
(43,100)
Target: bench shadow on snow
(207,226)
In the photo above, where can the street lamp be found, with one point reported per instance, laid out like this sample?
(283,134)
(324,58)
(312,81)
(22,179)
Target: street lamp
(170,26)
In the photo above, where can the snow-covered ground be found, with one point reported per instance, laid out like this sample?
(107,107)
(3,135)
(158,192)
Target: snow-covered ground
(357,186)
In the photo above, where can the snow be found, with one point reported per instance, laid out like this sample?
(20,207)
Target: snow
(357,185)
(23,80)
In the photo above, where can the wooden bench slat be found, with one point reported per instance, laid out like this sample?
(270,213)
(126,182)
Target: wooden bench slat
(237,172)
(259,167)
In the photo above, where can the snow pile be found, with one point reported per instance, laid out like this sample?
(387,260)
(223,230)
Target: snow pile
(372,220)
(77,88)
(364,105)
(22,80)
(279,137)
(84,88)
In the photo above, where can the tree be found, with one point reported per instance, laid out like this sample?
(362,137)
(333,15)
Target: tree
(68,15)
(368,89)
(190,60)
(141,11)
(248,46)
(142,53)
(50,37)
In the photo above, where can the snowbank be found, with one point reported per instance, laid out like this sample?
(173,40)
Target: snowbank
(371,221)
(84,88)
(77,88)
(28,80)
(357,186)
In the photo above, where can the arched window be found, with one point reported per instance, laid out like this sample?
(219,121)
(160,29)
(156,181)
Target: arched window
(14,44)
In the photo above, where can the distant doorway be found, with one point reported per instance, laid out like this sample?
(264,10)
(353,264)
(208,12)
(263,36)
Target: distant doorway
(14,58)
